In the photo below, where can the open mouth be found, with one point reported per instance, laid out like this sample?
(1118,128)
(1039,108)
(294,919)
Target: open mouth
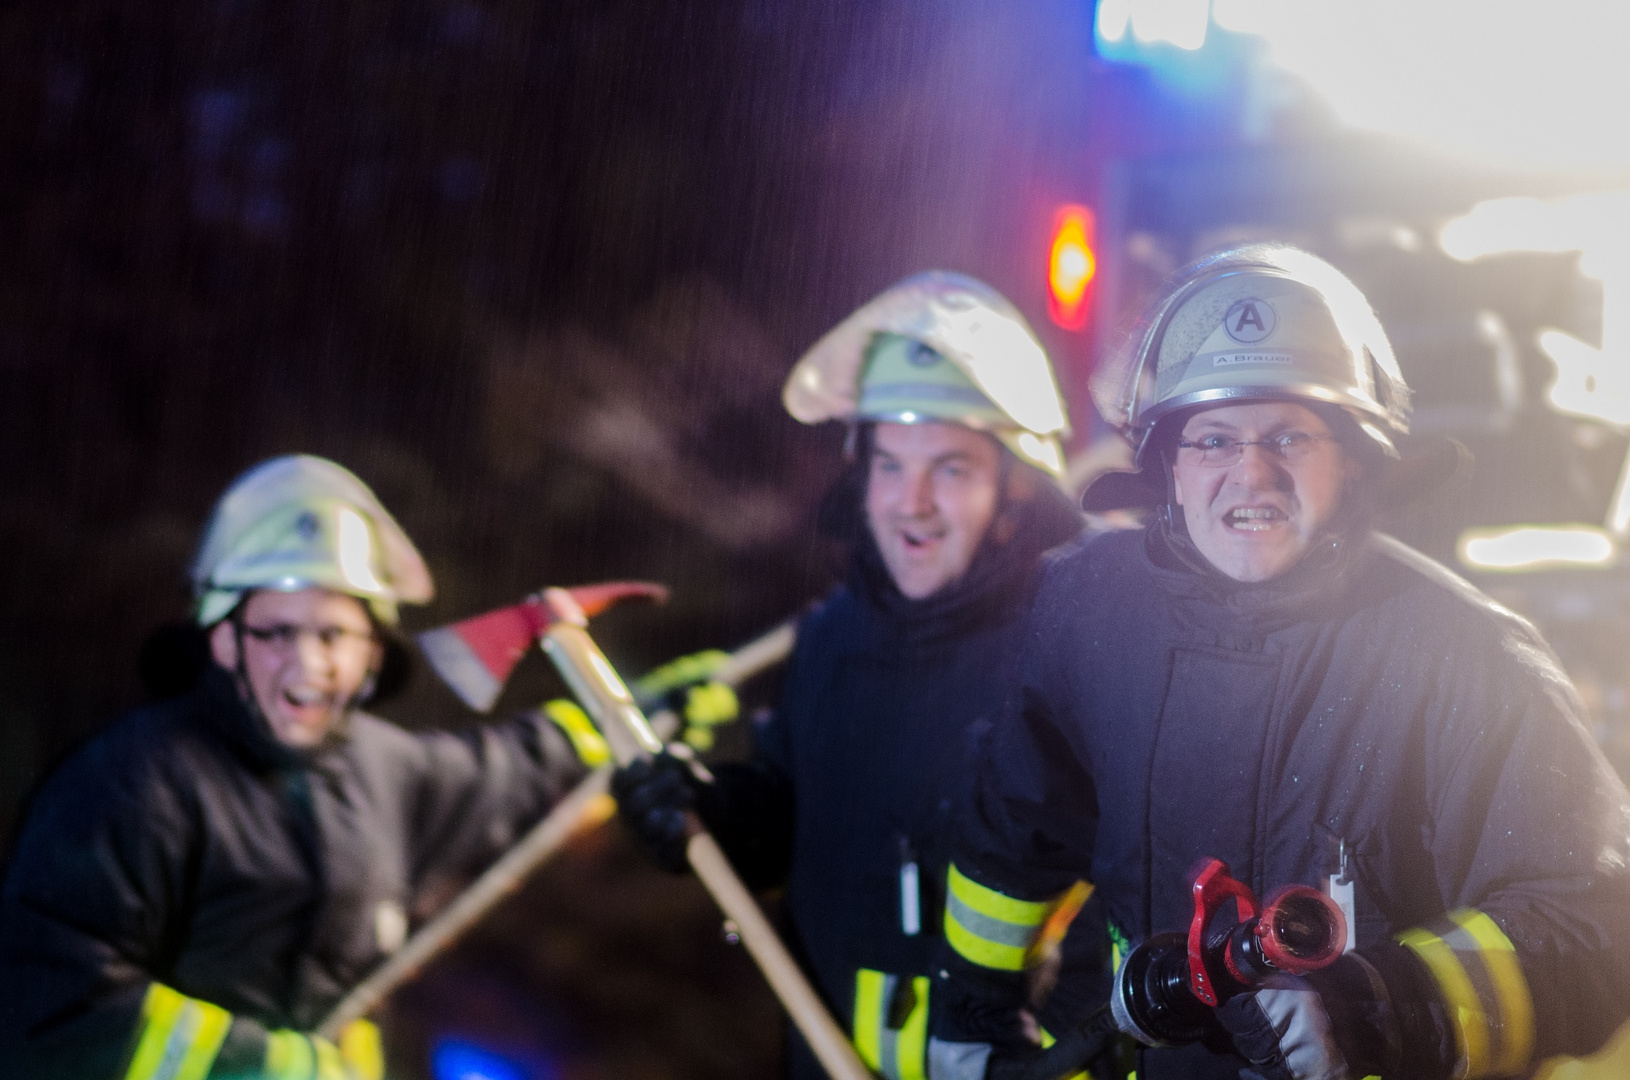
(302,699)
(1255,518)
(919,541)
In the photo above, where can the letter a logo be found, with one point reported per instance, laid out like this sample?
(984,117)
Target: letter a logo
(1250,320)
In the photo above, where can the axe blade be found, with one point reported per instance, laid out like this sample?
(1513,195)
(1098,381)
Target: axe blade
(475,657)
(594,599)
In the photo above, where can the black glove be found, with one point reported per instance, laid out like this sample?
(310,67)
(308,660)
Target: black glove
(653,797)
(1332,1024)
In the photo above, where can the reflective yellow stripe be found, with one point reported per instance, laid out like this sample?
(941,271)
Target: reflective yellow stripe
(990,929)
(1516,1008)
(1470,1025)
(177,1036)
(895,1054)
(289,1056)
(992,904)
(868,1022)
(361,1049)
(980,951)
(330,1066)
(1477,972)
(911,1043)
(589,745)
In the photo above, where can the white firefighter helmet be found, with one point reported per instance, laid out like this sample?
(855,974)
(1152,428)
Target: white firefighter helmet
(298,522)
(1263,321)
(937,346)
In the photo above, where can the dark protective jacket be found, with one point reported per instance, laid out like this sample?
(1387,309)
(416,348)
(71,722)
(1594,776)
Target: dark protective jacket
(866,748)
(185,846)
(1369,698)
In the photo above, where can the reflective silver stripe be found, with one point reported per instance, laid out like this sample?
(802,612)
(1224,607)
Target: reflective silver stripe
(888,1040)
(998,930)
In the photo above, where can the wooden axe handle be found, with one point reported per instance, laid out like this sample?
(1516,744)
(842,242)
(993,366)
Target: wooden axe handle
(587,804)
(829,1043)
(603,694)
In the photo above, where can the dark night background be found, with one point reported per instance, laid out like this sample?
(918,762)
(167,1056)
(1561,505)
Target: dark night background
(536,272)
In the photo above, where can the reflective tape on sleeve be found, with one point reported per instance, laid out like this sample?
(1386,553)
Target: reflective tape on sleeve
(988,928)
(177,1037)
(1477,972)
(897,1053)
(289,1056)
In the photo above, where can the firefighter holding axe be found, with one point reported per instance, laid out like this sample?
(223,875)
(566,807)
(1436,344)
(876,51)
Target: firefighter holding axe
(951,499)
(196,888)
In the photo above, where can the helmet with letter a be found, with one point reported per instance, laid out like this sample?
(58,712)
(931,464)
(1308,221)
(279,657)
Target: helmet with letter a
(938,346)
(299,522)
(1253,323)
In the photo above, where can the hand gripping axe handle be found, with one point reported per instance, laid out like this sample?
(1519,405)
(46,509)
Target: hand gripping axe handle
(586,806)
(557,619)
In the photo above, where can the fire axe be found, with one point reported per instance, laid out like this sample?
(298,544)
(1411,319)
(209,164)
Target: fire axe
(586,806)
(475,657)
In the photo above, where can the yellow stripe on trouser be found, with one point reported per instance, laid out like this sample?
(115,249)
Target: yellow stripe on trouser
(1477,972)
(895,1053)
(988,928)
(177,1037)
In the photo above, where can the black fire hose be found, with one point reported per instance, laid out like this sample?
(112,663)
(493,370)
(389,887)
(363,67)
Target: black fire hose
(1074,1051)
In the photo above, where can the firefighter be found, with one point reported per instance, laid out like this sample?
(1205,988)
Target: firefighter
(194,889)
(947,509)
(1259,677)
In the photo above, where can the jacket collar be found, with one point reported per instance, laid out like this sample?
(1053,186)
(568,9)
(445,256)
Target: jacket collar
(1316,585)
(246,731)
(996,587)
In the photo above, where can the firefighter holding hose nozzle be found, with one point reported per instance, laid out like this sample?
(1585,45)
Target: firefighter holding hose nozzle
(1259,677)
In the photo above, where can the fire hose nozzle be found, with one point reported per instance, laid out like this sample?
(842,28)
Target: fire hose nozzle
(1164,990)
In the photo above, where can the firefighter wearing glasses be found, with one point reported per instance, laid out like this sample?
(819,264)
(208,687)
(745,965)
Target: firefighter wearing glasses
(1259,677)
(949,505)
(194,889)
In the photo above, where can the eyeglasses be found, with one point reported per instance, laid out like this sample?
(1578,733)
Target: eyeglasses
(284,638)
(1220,450)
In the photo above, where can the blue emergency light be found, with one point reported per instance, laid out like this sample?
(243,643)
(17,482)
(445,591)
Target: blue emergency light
(459,1059)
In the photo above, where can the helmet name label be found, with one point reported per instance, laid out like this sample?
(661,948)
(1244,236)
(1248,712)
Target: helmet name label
(1224,359)
(1250,320)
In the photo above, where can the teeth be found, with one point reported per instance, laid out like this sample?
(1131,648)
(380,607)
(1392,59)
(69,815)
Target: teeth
(304,696)
(1254,518)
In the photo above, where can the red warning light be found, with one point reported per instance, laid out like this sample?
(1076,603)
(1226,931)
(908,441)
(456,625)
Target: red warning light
(1071,267)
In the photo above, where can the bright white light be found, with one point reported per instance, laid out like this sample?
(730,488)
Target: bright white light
(1530,84)
(1590,382)
(356,551)
(1177,22)
(1533,547)
(1042,450)
(1501,225)
(1113,17)
(1597,224)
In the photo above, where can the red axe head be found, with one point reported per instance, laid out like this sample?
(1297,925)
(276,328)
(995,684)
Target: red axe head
(475,656)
